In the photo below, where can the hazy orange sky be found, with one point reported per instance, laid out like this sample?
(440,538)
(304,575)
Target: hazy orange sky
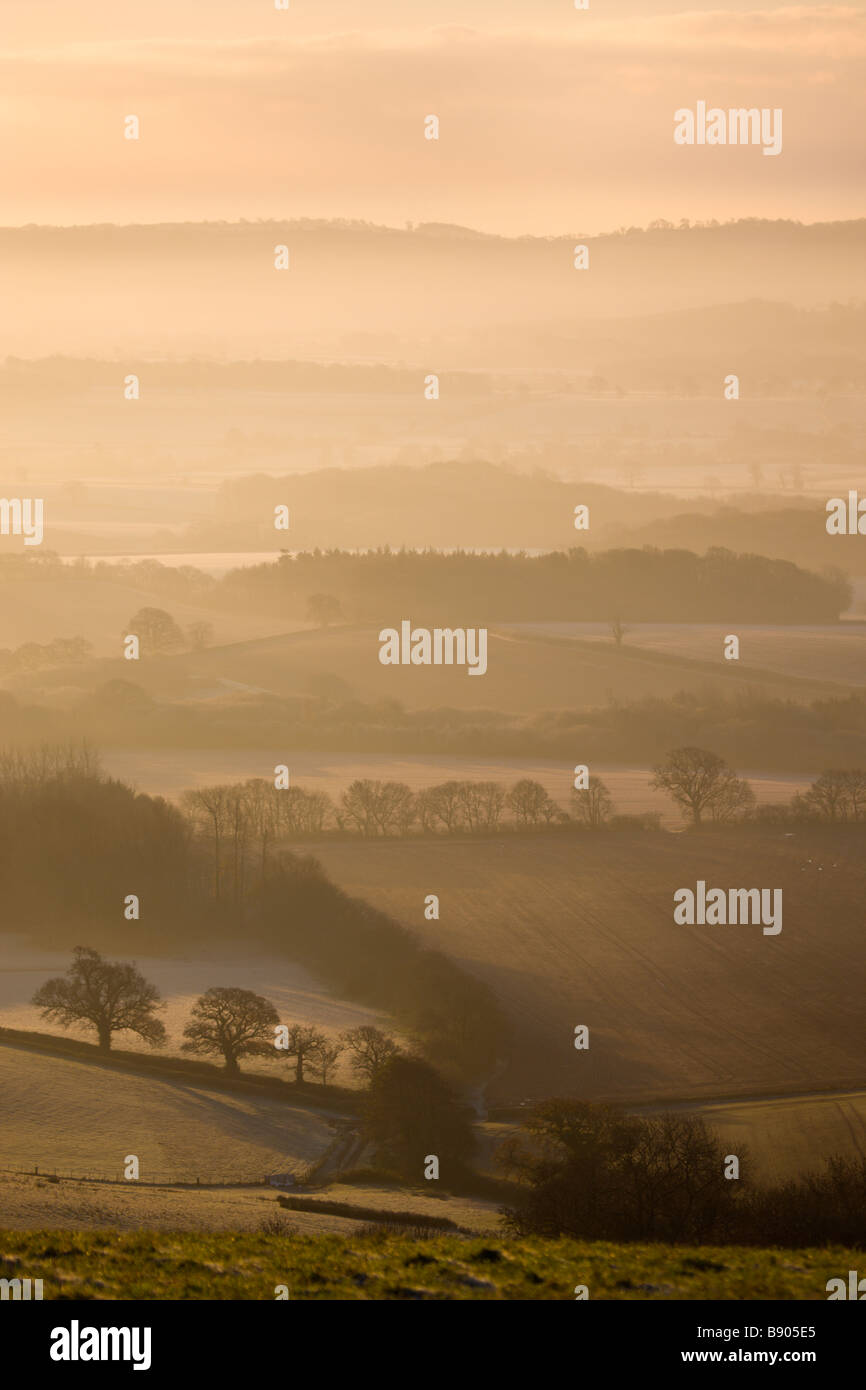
(552,120)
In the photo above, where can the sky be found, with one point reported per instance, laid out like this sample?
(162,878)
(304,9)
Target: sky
(552,120)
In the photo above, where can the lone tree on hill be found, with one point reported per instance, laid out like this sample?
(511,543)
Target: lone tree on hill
(232,1023)
(112,996)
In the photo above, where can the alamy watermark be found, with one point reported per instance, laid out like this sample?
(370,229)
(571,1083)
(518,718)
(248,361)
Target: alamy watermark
(22,516)
(719,907)
(735,126)
(439,646)
(20,1290)
(77,1343)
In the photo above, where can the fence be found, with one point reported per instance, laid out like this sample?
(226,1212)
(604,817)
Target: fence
(151,1178)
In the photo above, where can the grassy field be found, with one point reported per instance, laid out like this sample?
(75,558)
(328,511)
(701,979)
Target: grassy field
(836,653)
(524,674)
(31,1202)
(580,930)
(83,1118)
(148,1265)
(471,1213)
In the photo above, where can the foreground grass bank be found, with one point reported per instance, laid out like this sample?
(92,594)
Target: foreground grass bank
(147,1265)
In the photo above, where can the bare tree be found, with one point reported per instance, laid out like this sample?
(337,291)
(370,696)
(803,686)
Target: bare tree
(370,1049)
(239,825)
(483,804)
(734,801)
(112,996)
(207,808)
(378,808)
(695,778)
(231,1023)
(325,1058)
(263,812)
(49,762)
(304,1044)
(302,812)
(531,804)
(855,785)
(592,804)
(829,795)
(443,805)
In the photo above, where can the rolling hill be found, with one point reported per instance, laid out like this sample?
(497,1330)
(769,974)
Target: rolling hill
(580,930)
(79,1117)
(525,673)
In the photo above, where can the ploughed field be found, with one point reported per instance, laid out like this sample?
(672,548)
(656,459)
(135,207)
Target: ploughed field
(579,929)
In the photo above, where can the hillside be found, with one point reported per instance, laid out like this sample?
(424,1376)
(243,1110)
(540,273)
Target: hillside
(144,1265)
(214,282)
(525,673)
(837,652)
(298,996)
(580,930)
(39,609)
(83,1118)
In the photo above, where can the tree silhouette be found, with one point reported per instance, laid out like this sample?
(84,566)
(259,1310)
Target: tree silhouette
(112,996)
(370,1049)
(412,1112)
(697,779)
(324,609)
(305,1044)
(156,630)
(531,804)
(325,1058)
(592,804)
(232,1023)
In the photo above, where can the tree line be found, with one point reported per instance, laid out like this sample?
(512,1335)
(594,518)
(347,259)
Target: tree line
(105,843)
(463,588)
(703,784)
(745,726)
(243,824)
(468,589)
(226,1021)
